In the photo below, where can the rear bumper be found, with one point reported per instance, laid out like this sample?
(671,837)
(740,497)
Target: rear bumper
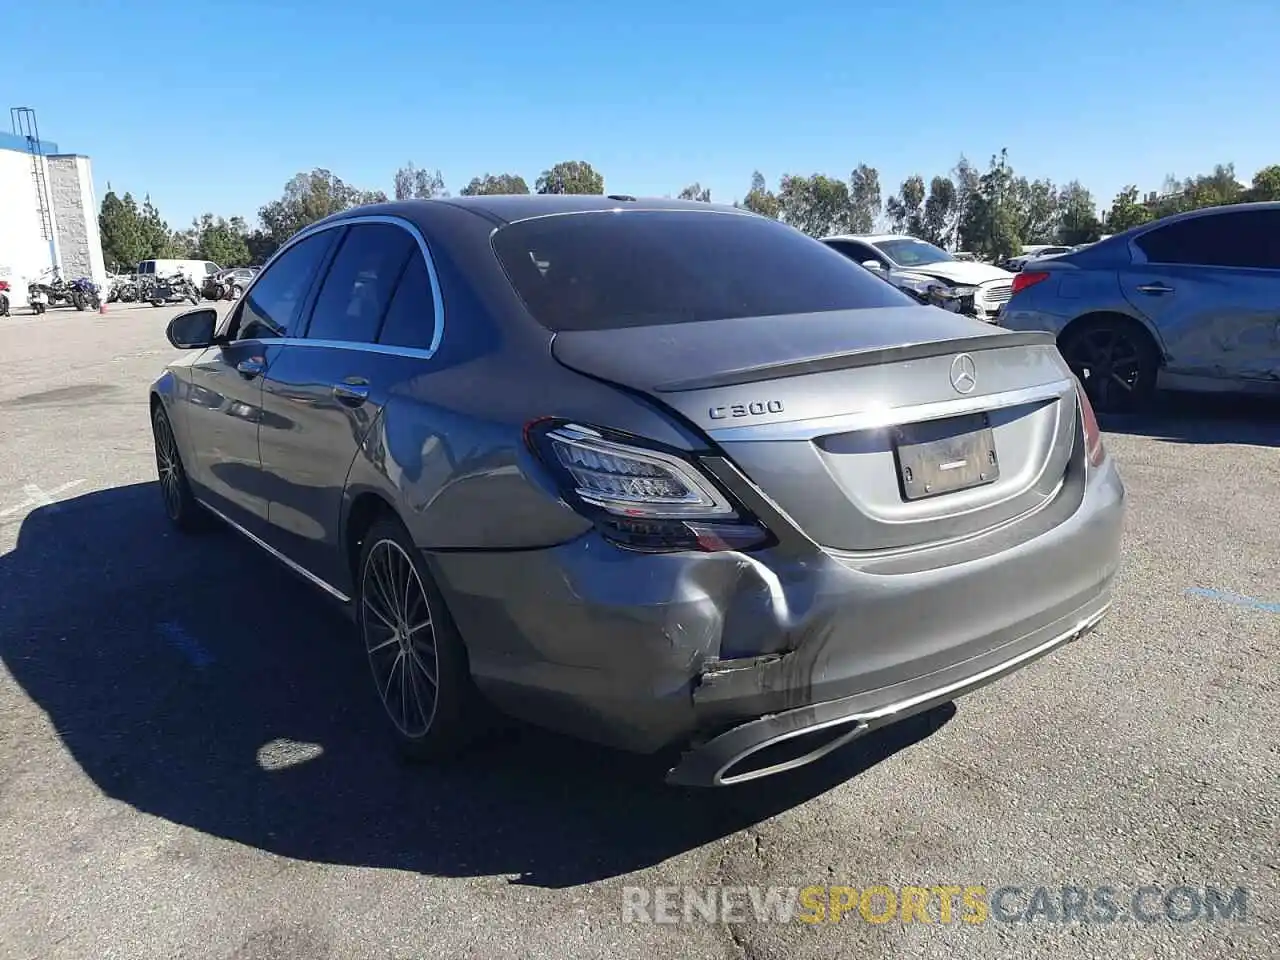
(713,762)
(732,651)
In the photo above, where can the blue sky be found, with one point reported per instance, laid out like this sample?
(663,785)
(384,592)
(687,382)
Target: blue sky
(213,106)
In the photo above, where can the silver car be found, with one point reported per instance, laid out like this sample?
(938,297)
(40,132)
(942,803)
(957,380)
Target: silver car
(661,474)
(1190,302)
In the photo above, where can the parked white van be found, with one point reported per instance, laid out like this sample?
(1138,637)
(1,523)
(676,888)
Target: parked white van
(194,270)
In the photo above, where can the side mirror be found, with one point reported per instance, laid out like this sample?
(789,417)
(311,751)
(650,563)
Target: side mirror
(873,265)
(193,330)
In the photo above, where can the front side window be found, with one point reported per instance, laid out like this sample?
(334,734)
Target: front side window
(270,308)
(360,281)
(606,270)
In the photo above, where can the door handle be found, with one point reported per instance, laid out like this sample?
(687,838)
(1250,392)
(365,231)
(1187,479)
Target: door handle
(351,392)
(1155,289)
(251,368)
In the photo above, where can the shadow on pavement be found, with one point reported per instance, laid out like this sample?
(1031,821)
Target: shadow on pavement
(1203,418)
(182,675)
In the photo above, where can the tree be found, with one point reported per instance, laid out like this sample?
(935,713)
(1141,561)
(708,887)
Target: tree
(222,241)
(904,209)
(571,176)
(816,204)
(1213,189)
(414,183)
(261,245)
(1036,206)
(990,224)
(935,222)
(157,239)
(1126,211)
(864,198)
(489,185)
(1077,215)
(760,199)
(965,177)
(1266,184)
(309,197)
(695,191)
(122,240)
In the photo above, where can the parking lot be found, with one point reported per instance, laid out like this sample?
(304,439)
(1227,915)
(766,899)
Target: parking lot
(191,762)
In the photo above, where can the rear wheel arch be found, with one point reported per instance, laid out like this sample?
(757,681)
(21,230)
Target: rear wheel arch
(365,511)
(1104,317)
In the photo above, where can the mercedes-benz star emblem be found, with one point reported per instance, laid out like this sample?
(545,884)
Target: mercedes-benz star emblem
(964,373)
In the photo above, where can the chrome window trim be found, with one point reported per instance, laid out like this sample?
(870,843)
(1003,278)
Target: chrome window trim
(386,349)
(310,231)
(812,428)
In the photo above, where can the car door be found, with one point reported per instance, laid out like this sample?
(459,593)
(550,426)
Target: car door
(326,390)
(226,385)
(1210,285)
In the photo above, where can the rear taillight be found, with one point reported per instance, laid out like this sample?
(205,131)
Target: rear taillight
(1093,449)
(639,496)
(1025,279)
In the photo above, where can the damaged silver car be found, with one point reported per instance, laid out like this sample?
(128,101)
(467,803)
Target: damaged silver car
(664,475)
(1190,302)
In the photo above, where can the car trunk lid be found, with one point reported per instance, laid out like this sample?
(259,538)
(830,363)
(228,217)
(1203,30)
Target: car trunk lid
(873,430)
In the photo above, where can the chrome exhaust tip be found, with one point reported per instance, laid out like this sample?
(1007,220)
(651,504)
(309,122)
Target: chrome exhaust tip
(790,750)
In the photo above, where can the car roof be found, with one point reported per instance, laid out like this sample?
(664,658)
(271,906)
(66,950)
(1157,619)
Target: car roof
(509,208)
(873,237)
(1271,205)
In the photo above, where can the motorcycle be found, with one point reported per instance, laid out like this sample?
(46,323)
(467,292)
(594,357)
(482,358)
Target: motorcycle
(38,297)
(217,289)
(84,294)
(177,287)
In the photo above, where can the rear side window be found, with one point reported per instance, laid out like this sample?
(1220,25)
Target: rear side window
(360,282)
(411,318)
(271,306)
(607,270)
(1245,238)
(854,251)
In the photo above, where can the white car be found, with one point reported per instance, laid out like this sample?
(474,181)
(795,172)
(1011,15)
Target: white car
(918,267)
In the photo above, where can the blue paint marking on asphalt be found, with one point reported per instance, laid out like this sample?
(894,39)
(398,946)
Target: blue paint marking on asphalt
(1233,598)
(186,644)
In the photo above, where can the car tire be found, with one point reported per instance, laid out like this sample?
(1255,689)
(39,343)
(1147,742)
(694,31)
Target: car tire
(180,504)
(1115,360)
(410,641)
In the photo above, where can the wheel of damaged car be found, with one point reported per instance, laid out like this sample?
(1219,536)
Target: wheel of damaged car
(416,657)
(1116,362)
(180,504)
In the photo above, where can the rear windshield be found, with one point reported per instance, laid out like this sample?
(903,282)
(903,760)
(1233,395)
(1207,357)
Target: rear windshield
(600,271)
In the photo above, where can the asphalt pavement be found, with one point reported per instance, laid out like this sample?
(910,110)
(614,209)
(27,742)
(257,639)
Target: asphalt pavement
(191,762)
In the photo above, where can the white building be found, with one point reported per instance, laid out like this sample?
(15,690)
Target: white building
(48,215)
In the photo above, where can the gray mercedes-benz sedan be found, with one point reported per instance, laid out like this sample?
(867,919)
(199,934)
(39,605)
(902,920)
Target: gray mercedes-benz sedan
(661,474)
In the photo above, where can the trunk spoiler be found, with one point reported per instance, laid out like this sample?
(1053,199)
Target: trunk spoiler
(857,358)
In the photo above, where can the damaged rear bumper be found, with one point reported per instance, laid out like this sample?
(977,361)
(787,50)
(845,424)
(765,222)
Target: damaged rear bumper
(800,736)
(732,652)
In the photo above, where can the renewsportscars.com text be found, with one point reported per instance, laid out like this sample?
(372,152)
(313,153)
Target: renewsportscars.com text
(938,904)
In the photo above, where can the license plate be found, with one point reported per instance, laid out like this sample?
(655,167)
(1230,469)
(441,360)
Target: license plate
(943,456)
